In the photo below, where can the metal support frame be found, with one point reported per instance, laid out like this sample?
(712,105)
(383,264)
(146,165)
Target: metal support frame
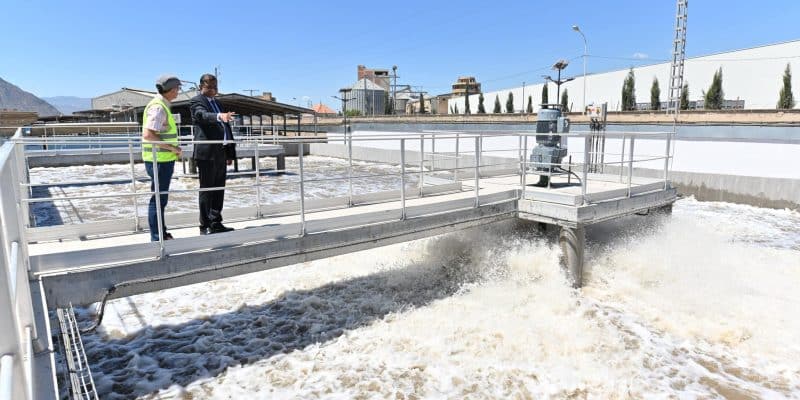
(630,167)
(585,181)
(134,200)
(477,171)
(421,163)
(403,179)
(302,191)
(157,193)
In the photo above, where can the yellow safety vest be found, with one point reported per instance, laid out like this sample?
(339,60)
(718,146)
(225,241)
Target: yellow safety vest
(170,135)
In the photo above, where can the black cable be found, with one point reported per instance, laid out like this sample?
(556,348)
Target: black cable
(102,311)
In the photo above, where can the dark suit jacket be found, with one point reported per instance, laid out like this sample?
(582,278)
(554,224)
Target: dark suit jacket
(206,127)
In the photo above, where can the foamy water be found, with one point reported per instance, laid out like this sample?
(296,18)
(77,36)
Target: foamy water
(699,304)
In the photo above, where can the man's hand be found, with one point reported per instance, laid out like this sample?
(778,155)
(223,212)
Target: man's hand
(227,117)
(177,150)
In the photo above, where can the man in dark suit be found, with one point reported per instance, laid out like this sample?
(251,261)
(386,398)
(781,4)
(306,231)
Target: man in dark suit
(211,123)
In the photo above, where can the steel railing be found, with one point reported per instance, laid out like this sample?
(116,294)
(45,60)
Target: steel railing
(17,327)
(427,161)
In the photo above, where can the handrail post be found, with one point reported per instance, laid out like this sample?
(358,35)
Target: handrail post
(402,179)
(157,194)
(630,166)
(519,157)
(302,191)
(477,170)
(133,188)
(257,167)
(524,166)
(666,161)
(350,172)
(456,171)
(622,159)
(585,179)
(7,376)
(421,163)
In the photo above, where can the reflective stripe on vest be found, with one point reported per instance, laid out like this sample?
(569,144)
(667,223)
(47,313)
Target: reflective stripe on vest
(170,135)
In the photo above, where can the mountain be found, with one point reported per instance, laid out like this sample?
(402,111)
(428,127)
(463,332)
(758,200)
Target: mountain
(14,98)
(69,104)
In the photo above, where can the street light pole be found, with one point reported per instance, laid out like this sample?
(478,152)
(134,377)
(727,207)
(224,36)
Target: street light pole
(394,89)
(523,97)
(344,99)
(585,53)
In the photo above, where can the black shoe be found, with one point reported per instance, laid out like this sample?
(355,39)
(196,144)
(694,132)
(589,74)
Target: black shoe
(218,228)
(168,236)
(203,230)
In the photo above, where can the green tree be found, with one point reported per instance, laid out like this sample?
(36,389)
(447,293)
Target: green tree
(629,92)
(530,104)
(655,95)
(715,95)
(510,103)
(497,109)
(467,108)
(481,109)
(564,101)
(786,98)
(422,103)
(451,110)
(544,94)
(455,108)
(353,113)
(685,96)
(387,106)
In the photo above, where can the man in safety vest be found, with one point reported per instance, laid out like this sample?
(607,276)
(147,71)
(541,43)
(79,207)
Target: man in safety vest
(158,125)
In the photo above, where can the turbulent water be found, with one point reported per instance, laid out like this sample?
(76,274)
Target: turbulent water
(699,304)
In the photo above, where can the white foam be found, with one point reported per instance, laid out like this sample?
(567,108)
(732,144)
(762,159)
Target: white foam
(699,304)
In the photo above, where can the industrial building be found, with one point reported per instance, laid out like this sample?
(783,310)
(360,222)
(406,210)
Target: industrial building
(751,79)
(366,97)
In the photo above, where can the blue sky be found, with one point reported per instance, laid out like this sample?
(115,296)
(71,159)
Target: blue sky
(302,50)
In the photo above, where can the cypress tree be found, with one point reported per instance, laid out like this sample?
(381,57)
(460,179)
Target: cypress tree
(786,98)
(421,103)
(510,103)
(685,96)
(455,108)
(655,95)
(497,105)
(564,101)
(481,109)
(467,109)
(544,94)
(530,104)
(715,95)
(387,107)
(629,92)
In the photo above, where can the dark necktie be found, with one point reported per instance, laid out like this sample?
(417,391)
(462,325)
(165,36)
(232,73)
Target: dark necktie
(218,109)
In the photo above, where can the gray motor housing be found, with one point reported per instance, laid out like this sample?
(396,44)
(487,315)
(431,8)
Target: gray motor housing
(550,148)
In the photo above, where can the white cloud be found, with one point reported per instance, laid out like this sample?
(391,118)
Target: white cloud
(640,56)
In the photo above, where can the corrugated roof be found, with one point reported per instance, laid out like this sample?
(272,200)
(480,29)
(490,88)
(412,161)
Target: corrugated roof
(359,85)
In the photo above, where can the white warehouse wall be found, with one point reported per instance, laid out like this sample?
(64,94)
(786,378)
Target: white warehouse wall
(754,75)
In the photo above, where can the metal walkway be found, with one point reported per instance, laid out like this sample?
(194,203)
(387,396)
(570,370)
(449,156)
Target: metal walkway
(54,267)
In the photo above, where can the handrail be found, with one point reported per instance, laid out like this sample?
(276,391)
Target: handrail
(17,330)
(429,160)
(6,377)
